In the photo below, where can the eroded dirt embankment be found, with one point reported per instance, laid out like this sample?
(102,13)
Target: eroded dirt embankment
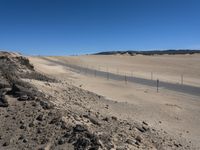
(38,112)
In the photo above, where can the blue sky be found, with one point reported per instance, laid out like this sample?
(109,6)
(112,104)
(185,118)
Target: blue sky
(65,27)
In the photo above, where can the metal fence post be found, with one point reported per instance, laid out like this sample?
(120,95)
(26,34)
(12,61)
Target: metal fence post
(125,79)
(157,84)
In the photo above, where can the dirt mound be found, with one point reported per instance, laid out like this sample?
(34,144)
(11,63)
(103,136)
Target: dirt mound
(31,119)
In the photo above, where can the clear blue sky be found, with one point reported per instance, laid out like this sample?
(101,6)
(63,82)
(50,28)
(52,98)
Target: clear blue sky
(60,27)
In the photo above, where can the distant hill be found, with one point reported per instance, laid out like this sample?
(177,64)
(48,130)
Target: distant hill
(151,52)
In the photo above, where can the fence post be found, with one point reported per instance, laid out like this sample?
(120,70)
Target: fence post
(107,73)
(151,75)
(157,84)
(125,79)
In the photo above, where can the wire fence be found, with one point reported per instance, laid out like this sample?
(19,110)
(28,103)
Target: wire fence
(131,77)
(146,75)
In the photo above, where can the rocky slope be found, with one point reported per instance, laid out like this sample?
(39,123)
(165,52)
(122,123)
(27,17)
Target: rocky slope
(38,112)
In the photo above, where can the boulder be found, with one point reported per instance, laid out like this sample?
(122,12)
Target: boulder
(3,101)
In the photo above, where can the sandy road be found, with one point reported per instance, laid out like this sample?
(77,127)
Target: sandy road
(188,89)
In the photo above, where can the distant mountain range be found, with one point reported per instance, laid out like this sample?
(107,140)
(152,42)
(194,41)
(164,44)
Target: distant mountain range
(150,52)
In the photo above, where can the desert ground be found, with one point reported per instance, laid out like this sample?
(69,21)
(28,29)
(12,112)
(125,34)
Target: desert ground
(39,111)
(51,103)
(174,113)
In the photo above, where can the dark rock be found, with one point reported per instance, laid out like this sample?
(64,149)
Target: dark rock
(79,128)
(72,139)
(25,140)
(21,137)
(31,125)
(106,119)
(139,138)
(106,106)
(67,135)
(6,143)
(61,141)
(114,118)
(23,98)
(39,131)
(82,143)
(40,117)
(22,127)
(141,129)
(44,141)
(145,123)
(54,120)
(145,128)
(34,104)
(63,125)
(3,101)
(21,122)
(177,145)
(137,143)
(46,105)
(130,141)
(15,90)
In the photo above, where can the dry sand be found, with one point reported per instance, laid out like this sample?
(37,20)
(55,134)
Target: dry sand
(176,113)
